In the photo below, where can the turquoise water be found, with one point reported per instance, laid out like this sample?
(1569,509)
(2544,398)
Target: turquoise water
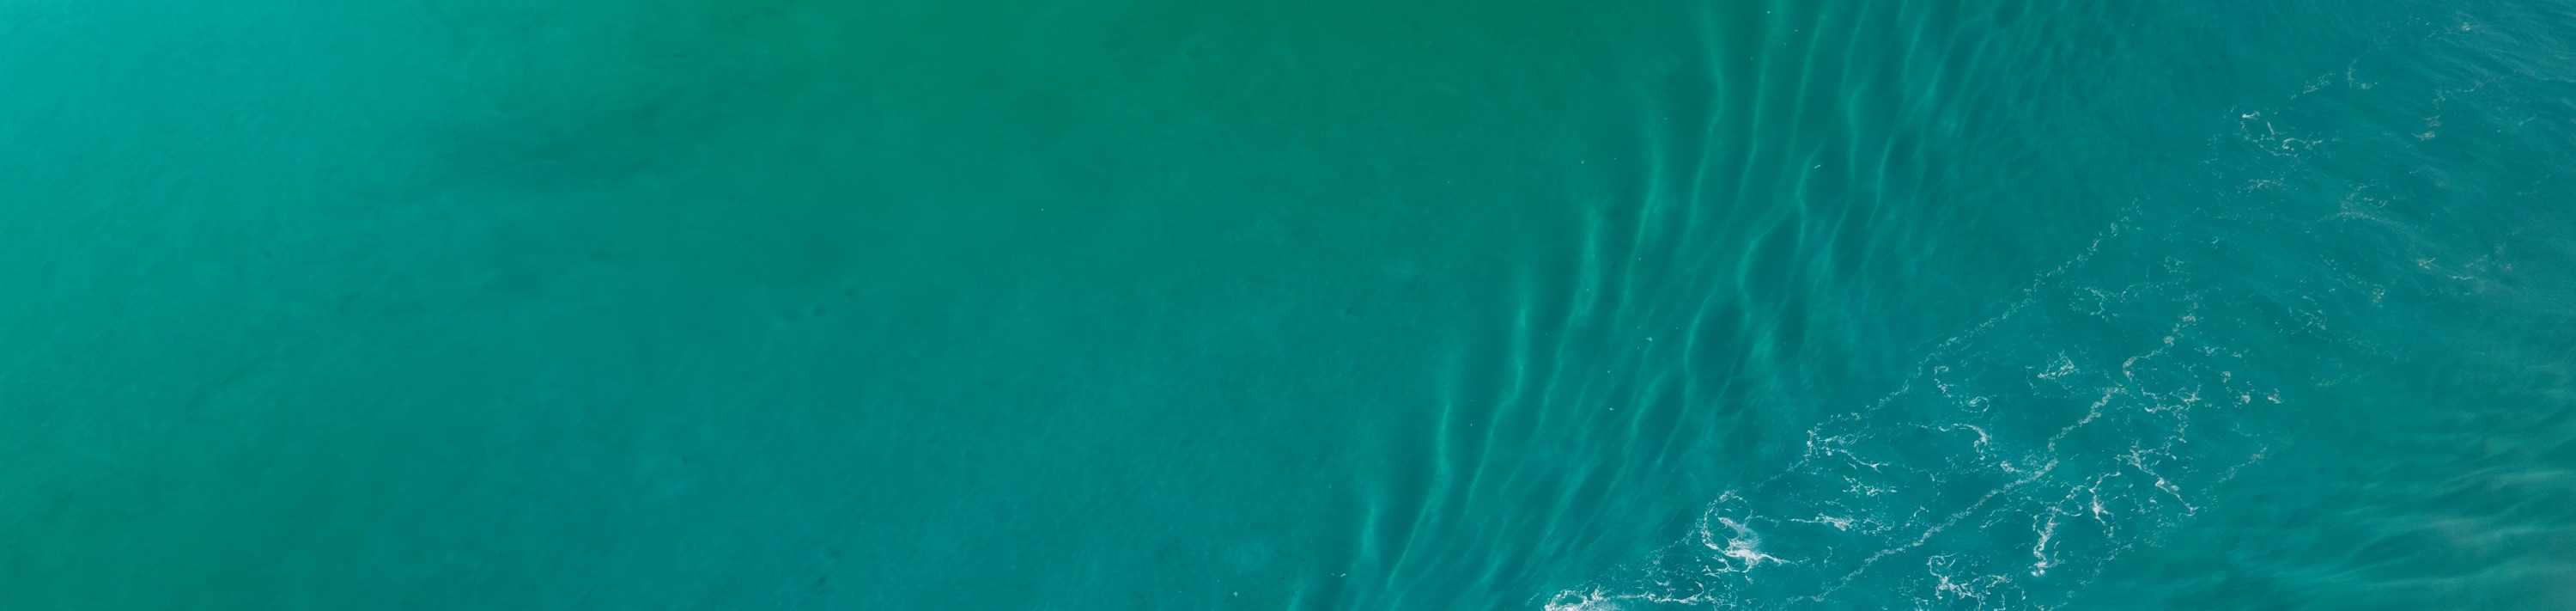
(1323,304)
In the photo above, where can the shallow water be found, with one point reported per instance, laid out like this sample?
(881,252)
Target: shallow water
(1848,304)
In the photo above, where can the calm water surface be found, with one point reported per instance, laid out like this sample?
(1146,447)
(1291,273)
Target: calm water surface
(1288,304)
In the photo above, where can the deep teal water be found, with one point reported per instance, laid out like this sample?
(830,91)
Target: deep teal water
(1147,304)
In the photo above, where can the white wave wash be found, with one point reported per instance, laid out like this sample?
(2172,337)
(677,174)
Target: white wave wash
(2076,432)
(2088,417)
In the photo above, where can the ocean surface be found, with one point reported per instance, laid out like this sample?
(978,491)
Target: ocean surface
(1287,304)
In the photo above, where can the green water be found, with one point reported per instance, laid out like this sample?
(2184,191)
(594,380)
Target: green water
(1323,304)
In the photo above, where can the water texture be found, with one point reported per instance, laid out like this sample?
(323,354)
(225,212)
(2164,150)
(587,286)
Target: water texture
(1326,304)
